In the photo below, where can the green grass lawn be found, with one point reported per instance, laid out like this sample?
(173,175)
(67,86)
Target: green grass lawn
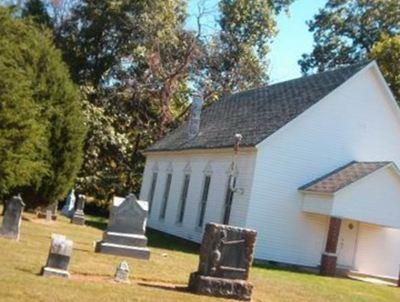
(162,278)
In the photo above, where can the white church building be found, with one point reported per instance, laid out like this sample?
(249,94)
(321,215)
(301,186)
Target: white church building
(315,171)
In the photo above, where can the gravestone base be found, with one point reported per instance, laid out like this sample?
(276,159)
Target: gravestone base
(42,215)
(220,287)
(125,239)
(59,257)
(122,250)
(78,218)
(9,235)
(54,272)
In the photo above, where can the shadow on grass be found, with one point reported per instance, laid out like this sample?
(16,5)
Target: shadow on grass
(162,240)
(30,272)
(286,268)
(96,222)
(156,239)
(165,287)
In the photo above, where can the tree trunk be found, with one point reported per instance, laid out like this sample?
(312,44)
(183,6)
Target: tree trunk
(4,209)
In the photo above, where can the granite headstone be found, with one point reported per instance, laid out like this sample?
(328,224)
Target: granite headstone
(226,255)
(79,216)
(12,218)
(125,234)
(59,257)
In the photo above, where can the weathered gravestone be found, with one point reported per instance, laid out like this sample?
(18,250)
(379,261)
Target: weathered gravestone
(12,218)
(59,257)
(43,213)
(48,215)
(122,273)
(79,215)
(226,255)
(68,208)
(125,234)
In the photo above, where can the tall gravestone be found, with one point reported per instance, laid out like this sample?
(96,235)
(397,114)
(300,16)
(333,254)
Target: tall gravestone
(79,216)
(59,257)
(12,218)
(226,255)
(125,234)
(68,208)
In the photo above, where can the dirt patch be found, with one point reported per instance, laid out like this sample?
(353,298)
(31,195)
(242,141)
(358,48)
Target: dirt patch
(143,282)
(91,278)
(38,220)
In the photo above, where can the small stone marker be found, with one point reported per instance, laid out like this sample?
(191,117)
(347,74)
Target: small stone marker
(79,215)
(59,257)
(42,213)
(226,255)
(122,273)
(68,208)
(12,218)
(48,215)
(125,234)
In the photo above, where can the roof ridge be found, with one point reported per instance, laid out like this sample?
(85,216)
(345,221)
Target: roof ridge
(256,113)
(301,78)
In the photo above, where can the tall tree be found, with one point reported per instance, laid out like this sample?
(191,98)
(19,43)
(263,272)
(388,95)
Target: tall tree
(236,56)
(23,141)
(387,54)
(36,9)
(136,63)
(346,30)
(54,106)
(61,105)
(132,60)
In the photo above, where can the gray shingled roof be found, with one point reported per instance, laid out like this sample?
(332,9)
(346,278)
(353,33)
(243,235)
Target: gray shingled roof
(256,113)
(343,176)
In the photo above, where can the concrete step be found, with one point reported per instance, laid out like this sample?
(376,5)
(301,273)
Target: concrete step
(123,250)
(125,239)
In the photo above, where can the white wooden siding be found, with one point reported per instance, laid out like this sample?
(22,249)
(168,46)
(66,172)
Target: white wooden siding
(378,251)
(357,121)
(219,163)
(373,199)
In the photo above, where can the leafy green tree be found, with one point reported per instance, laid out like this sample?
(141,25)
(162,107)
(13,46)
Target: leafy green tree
(36,9)
(62,111)
(112,161)
(132,60)
(346,30)
(136,64)
(387,54)
(236,56)
(23,143)
(56,111)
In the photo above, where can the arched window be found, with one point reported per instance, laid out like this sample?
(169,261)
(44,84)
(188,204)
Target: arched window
(167,188)
(153,185)
(232,177)
(204,195)
(184,193)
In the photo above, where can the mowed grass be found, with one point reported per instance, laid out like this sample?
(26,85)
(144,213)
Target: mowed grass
(162,278)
